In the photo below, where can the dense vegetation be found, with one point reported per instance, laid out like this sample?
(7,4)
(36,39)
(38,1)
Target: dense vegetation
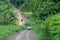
(53,24)
(6,13)
(8,25)
(44,20)
(8,30)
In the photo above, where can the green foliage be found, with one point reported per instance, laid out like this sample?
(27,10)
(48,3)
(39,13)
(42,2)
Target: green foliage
(53,23)
(27,6)
(45,8)
(41,8)
(17,3)
(6,13)
(8,30)
(39,29)
(48,29)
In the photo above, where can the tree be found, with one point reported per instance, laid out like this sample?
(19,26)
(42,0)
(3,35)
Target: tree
(6,13)
(17,2)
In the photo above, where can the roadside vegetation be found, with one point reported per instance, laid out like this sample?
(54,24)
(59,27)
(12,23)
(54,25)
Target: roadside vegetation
(53,25)
(44,18)
(8,30)
(8,21)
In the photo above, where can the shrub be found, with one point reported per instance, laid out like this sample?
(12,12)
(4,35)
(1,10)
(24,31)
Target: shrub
(39,28)
(8,30)
(53,23)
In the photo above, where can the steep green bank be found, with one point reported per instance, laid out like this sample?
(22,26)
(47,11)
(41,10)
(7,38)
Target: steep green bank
(49,29)
(8,30)
(53,25)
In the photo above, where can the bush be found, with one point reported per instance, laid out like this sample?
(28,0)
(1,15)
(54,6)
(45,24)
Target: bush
(53,23)
(48,29)
(8,30)
(6,13)
(39,28)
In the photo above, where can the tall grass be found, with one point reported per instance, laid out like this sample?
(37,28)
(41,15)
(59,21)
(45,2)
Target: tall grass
(8,30)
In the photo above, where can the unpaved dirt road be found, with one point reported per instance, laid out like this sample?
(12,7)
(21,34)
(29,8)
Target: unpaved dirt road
(23,35)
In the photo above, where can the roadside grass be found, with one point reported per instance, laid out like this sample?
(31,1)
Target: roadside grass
(8,30)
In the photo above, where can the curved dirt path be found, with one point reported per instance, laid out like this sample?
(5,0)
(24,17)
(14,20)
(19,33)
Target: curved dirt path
(24,35)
